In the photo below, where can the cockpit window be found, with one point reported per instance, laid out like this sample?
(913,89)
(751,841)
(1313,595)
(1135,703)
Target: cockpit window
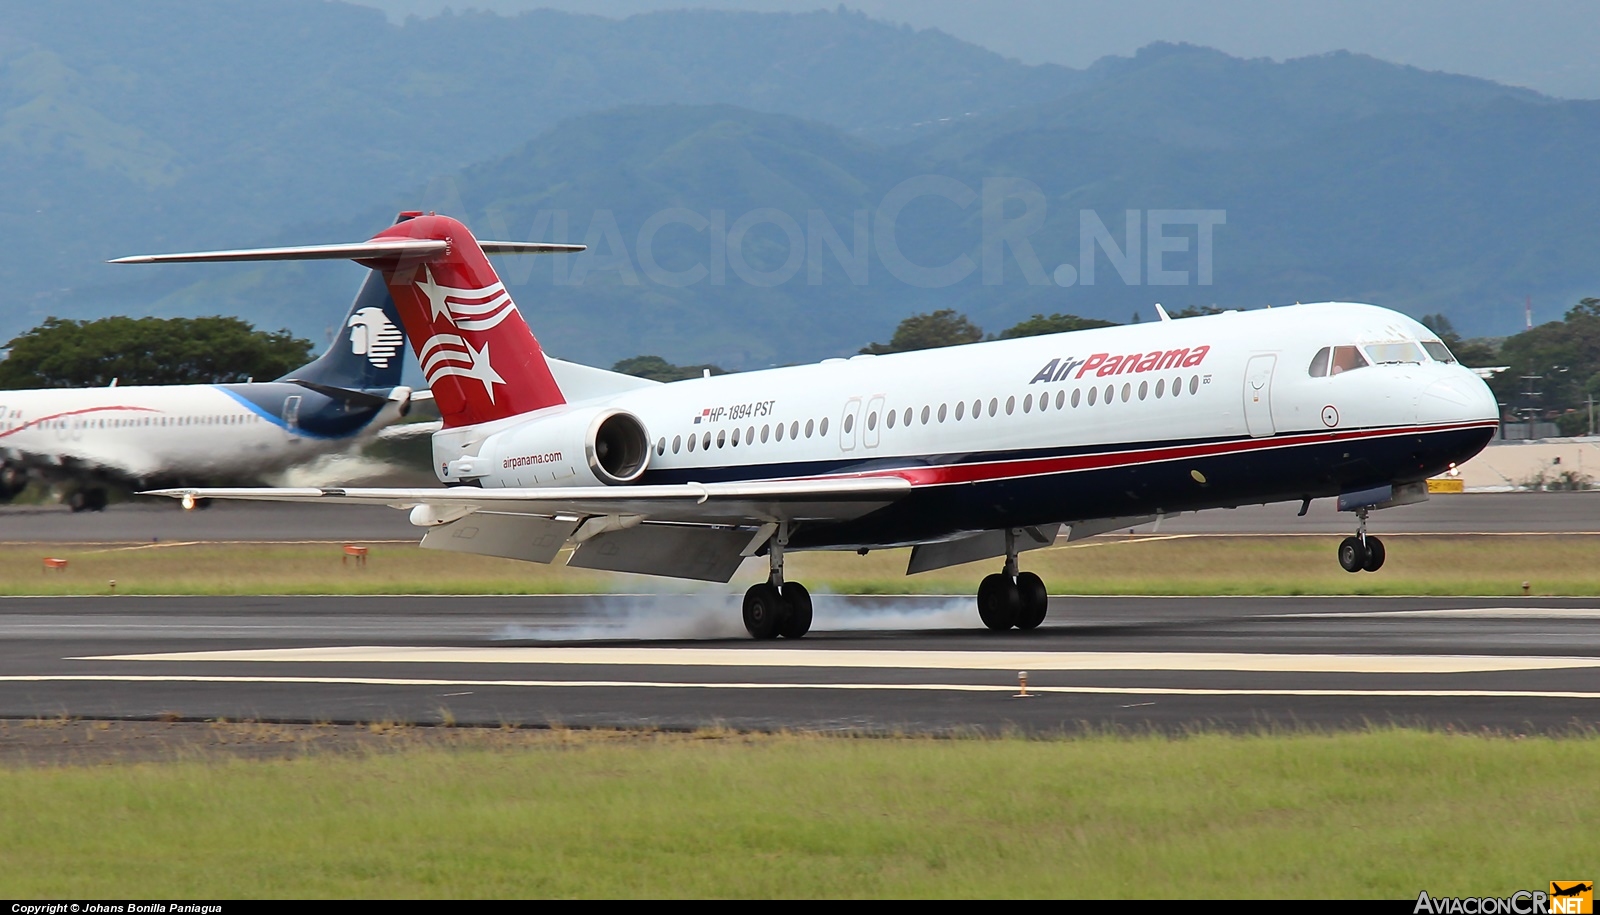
(1347,359)
(1438,351)
(1319,363)
(1391,353)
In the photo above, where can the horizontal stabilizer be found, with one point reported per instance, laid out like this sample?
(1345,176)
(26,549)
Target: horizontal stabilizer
(379,248)
(420,248)
(348,395)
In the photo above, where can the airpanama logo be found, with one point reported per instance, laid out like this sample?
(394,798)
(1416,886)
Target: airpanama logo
(1103,364)
(373,335)
(469,311)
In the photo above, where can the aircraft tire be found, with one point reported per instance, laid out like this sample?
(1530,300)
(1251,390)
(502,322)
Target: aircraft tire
(797,602)
(763,611)
(1375,555)
(77,501)
(1034,599)
(95,500)
(998,602)
(1352,555)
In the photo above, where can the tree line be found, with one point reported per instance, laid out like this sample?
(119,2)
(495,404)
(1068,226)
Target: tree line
(1550,372)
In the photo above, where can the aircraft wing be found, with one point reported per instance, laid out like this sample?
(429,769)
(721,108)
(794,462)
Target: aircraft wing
(754,503)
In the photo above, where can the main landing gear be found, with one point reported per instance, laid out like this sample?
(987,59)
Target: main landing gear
(1010,598)
(92,499)
(1361,553)
(776,607)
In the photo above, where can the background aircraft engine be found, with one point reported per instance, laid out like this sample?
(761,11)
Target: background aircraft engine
(580,448)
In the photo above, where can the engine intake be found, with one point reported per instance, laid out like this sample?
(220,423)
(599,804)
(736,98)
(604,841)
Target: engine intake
(617,447)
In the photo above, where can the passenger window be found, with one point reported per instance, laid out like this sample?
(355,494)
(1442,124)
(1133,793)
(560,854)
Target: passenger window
(941,412)
(661,446)
(994,405)
(722,438)
(1011,405)
(677,443)
(794,430)
(1093,393)
(1127,391)
(1075,397)
(961,409)
(691,443)
(1144,389)
(1061,397)
(1027,403)
(822,427)
(777,433)
(1319,363)
(1194,384)
(765,431)
(925,412)
(888,417)
(907,420)
(735,439)
(1346,359)
(1161,387)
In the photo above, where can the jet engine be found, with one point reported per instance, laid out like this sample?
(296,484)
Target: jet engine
(572,448)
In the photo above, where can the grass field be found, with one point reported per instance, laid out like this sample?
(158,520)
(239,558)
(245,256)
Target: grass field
(1184,565)
(1382,814)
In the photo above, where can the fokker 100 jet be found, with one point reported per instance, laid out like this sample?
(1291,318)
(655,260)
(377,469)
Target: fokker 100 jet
(963,454)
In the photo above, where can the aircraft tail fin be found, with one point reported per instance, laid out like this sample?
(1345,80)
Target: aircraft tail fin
(478,355)
(481,360)
(368,351)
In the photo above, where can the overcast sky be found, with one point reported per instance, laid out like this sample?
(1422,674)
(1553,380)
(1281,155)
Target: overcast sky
(1552,46)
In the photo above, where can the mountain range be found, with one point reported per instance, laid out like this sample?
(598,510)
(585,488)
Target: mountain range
(766,188)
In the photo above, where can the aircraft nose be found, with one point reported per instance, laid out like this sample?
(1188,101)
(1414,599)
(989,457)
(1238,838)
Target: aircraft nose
(1461,398)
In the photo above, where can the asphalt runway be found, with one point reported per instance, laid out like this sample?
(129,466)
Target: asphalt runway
(164,520)
(871,665)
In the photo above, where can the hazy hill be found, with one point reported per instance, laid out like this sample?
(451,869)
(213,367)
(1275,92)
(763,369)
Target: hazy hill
(174,123)
(1340,176)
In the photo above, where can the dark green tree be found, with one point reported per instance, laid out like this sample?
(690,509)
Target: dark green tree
(1552,366)
(1195,311)
(1039,325)
(63,353)
(656,368)
(930,331)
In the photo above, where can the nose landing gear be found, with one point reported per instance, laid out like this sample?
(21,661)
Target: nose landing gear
(1009,598)
(1361,553)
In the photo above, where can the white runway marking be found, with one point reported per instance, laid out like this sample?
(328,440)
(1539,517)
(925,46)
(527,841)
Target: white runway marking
(1007,689)
(1538,613)
(919,660)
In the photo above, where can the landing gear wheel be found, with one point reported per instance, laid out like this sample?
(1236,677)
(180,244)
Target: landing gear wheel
(1034,599)
(95,500)
(1374,555)
(998,602)
(797,601)
(77,501)
(1352,555)
(763,610)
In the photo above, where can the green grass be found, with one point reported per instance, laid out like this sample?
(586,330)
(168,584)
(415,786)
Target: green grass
(1186,565)
(1380,814)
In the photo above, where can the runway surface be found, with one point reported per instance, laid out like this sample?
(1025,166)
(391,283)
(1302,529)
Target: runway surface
(163,520)
(871,665)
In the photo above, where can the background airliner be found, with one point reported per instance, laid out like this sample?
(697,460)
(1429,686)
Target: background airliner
(964,453)
(90,438)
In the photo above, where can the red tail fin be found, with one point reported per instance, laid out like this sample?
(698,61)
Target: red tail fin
(481,360)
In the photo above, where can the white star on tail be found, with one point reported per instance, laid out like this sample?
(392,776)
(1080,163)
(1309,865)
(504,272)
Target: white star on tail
(443,354)
(468,309)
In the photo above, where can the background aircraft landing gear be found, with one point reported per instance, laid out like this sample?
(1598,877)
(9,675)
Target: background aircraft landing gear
(1361,553)
(87,500)
(1010,598)
(776,607)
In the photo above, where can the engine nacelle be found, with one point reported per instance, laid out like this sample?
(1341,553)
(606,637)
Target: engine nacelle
(577,448)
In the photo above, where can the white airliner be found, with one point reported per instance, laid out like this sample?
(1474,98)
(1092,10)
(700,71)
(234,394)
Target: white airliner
(89,438)
(963,453)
